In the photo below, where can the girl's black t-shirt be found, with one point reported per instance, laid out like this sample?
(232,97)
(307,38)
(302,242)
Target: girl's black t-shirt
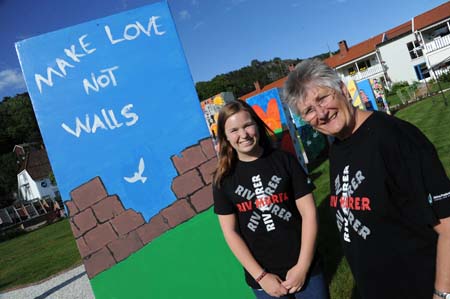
(262,194)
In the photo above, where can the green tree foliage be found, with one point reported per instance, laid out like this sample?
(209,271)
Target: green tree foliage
(8,178)
(17,122)
(241,81)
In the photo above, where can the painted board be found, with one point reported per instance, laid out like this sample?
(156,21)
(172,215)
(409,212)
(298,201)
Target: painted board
(114,98)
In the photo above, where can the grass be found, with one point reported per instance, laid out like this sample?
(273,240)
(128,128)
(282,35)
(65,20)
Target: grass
(432,117)
(37,255)
(393,99)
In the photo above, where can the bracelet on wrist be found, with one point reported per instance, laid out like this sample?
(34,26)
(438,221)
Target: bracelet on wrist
(440,294)
(261,276)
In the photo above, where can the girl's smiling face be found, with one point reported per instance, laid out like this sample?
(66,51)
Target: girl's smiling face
(242,133)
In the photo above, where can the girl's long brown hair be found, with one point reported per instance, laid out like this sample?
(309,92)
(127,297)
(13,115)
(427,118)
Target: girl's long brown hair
(227,154)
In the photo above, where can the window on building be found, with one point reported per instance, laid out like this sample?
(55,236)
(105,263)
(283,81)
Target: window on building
(440,32)
(351,71)
(363,64)
(422,71)
(414,48)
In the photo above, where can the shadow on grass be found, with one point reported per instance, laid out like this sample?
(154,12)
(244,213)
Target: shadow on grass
(5,284)
(330,246)
(328,240)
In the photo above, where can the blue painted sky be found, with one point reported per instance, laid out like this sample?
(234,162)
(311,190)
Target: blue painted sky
(217,36)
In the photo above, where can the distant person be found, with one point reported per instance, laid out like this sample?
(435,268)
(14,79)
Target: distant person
(266,209)
(389,191)
(365,100)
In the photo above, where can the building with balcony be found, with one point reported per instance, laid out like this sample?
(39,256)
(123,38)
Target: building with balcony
(432,30)
(415,50)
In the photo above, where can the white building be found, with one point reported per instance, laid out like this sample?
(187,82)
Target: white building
(34,174)
(413,51)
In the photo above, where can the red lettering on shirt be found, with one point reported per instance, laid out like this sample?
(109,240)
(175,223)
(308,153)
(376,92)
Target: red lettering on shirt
(352,203)
(333,201)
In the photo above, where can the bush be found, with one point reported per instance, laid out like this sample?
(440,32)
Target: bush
(12,233)
(396,86)
(445,77)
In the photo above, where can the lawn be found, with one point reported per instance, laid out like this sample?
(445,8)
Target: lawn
(37,255)
(432,117)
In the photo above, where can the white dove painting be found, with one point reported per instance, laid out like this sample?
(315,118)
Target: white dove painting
(137,175)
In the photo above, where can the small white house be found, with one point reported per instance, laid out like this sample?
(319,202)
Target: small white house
(34,174)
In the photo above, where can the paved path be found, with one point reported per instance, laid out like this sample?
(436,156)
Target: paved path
(73,284)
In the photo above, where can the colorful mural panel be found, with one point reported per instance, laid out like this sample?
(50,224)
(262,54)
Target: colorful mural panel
(380,97)
(366,95)
(312,141)
(354,94)
(269,108)
(278,118)
(211,108)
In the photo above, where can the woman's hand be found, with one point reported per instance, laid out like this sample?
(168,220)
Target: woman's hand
(295,278)
(271,284)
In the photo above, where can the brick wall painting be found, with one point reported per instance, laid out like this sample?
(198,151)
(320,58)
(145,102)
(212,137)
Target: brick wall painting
(107,233)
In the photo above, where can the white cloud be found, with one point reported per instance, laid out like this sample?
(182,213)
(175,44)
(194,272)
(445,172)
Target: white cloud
(233,4)
(184,15)
(11,78)
(198,25)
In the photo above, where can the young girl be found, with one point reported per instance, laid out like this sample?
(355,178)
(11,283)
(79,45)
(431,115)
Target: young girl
(265,207)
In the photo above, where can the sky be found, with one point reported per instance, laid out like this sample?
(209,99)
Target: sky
(218,36)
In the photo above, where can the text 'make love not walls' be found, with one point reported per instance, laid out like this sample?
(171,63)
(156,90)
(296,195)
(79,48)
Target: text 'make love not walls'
(108,94)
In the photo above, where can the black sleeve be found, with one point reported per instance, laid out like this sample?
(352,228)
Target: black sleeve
(222,204)
(301,183)
(414,165)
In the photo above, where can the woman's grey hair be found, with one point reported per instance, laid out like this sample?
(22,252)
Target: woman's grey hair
(308,73)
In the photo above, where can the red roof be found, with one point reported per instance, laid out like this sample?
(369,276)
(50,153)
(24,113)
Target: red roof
(432,16)
(399,30)
(361,49)
(275,84)
(37,164)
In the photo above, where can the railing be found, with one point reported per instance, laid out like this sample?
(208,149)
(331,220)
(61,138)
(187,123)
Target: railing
(441,71)
(438,43)
(367,73)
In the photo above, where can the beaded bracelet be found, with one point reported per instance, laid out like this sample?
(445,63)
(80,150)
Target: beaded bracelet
(261,276)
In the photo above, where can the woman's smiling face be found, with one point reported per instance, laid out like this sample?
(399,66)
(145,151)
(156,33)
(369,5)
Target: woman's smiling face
(332,112)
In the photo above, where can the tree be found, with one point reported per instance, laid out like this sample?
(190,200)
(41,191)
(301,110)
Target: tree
(241,81)
(8,179)
(17,122)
